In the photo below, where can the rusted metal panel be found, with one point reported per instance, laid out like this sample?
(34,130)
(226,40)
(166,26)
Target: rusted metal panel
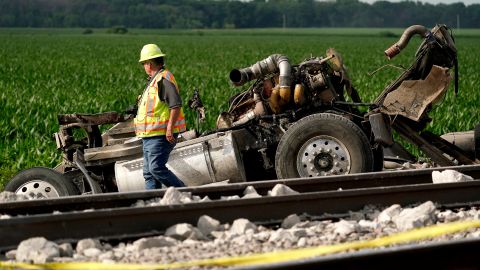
(91,119)
(412,97)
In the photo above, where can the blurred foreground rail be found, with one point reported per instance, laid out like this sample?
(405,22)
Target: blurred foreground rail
(117,220)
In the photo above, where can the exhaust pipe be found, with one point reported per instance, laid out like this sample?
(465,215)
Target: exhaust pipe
(271,64)
(405,38)
(258,110)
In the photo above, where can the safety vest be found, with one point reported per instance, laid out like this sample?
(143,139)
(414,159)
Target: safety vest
(153,114)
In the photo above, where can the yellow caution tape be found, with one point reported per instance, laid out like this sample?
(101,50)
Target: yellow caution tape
(265,258)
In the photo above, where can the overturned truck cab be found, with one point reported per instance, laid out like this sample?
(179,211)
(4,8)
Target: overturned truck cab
(292,121)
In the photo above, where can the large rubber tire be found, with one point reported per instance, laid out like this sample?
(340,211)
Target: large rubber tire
(321,145)
(41,182)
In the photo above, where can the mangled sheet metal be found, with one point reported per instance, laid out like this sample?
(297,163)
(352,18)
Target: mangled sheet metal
(412,97)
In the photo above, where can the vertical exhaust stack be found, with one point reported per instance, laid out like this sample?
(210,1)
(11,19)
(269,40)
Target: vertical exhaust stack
(405,38)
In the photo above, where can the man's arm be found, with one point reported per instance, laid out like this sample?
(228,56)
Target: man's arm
(174,113)
(169,94)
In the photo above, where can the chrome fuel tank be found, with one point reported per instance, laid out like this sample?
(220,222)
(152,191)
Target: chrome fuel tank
(200,161)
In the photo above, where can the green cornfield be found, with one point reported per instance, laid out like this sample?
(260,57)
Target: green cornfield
(45,72)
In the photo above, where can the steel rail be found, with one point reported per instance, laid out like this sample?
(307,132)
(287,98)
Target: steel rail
(344,182)
(127,222)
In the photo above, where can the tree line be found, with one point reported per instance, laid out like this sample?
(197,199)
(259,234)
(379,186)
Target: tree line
(187,14)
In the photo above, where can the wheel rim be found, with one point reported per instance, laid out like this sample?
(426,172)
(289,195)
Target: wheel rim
(37,189)
(322,156)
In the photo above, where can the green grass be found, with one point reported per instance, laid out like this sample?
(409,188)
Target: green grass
(46,72)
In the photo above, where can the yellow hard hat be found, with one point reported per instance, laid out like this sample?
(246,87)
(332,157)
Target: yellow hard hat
(150,51)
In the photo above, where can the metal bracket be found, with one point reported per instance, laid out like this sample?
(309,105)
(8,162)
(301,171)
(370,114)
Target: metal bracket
(208,160)
(93,184)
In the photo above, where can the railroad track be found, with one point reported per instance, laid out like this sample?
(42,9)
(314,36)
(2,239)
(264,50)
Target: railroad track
(316,199)
(329,183)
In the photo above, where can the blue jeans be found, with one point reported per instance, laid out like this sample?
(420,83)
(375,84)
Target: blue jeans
(156,151)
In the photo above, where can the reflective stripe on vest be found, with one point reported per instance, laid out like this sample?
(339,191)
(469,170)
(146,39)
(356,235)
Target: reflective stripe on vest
(153,114)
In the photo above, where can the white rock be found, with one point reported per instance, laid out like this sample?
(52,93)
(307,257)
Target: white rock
(186,199)
(11,255)
(207,224)
(86,244)
(66,250)
(118,254)
(262,236)
(184,231)
(152,242)
(367,225)
(425,165)
(390,165)
(173,196)
(449,176)
(373,215)
(79,257)
(190,242)
(205,199)
(241,225)
(139,203)
(250,192)
(419,216)
(92,252)
(344,227)
(107,246)
(408,165)
(37,250)
(389,213)
(281,190)
(229,198)
(282,235)
(252,195)
(356,215)
(298,233)
(239,240)
(447,216)
(218,234)
(307,224)
(290,221)
(302,242)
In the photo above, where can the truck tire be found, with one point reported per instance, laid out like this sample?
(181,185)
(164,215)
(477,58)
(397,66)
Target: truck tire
(41,182)
(321,145)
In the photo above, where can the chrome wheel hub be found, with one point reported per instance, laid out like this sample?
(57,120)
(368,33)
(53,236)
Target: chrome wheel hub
(37,189)
(321,156)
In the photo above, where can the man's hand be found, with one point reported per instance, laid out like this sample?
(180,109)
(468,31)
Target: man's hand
(169,136)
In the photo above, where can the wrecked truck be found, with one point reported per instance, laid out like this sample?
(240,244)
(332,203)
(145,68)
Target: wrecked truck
(291,121)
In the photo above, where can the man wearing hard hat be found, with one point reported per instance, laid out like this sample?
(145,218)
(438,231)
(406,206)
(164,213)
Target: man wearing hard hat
(159,119)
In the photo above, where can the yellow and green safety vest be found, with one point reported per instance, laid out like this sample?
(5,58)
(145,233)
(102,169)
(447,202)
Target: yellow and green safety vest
(153,114)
